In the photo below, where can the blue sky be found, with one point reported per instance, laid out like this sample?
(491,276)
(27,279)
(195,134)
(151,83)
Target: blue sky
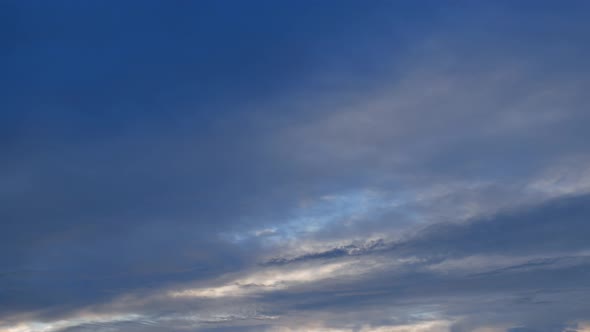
(281,166)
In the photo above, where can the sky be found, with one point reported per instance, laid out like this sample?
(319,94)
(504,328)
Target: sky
(283,166)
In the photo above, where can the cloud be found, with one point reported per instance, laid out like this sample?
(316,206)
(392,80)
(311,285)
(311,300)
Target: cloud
(326,167)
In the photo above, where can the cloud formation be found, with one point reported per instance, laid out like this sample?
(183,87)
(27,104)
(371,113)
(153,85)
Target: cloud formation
(334,166)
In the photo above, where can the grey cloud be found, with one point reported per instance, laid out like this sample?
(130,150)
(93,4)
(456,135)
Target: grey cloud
(339,252)
(535,292)
(554,226)
(536,297)
(465,132)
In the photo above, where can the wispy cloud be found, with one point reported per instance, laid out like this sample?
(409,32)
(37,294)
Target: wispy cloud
(340,166)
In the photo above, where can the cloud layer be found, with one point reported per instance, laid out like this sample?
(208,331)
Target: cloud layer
(341,166)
